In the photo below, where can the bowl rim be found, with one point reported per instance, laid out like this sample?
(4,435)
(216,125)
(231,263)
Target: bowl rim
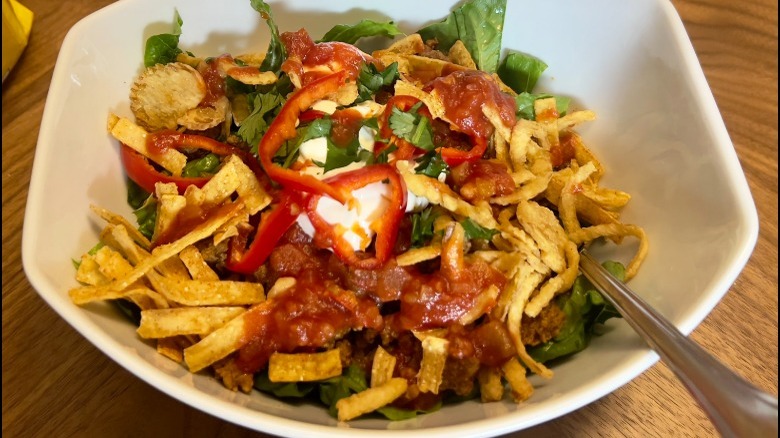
(269,423)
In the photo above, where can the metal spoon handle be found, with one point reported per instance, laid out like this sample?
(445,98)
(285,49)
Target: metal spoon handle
(735,407)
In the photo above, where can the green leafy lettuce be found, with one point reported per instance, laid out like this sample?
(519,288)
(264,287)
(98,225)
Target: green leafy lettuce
(525,104)
(521,71)
(365,28)
(163,48)
(585,308)
(276,53)
(479,24)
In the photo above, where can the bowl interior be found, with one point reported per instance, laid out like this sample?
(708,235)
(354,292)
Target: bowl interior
(658,133)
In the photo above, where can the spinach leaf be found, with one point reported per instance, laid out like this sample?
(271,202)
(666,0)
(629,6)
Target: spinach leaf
(129,309)
(146,216)
(339,156)
(256,124)
(521,71)
(282,389)
(479,24)
(476,231)
(276,52)
(525,104)
(207,165)
(584,308)
(365,28)
(163,48)
(136,196)
(352,381)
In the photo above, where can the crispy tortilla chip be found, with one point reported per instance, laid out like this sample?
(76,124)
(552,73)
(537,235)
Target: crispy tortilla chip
(173,348)
(232,377)
(113,218)
(490,387)
(211,293)
(514,373)
(304,367)
(163,93)
(164,323)
(542,225)
(134,136)
(436,192)
(371,399)
(485,301)
(219,343)
(432,365)
(408,45)
(418,255)
(617,230)
(196,264)
(163,252)
(492,114)
(460,55)
(555,285)
(204,117)
(89,273)
(87,294)
(382,367)
(282,285)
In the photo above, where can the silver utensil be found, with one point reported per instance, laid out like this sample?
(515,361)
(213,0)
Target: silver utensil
(735,407)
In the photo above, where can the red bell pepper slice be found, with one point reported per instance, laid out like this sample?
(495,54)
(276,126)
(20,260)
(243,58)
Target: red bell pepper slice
(272,227)
(386,228)
(145,175)
(453,156)
(283,129)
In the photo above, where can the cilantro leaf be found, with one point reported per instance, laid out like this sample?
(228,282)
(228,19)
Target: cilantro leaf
(371,80)
(412,127)
(256,124)
(422,227)
(476,231)
(163,48)
(431,164)
(339,156)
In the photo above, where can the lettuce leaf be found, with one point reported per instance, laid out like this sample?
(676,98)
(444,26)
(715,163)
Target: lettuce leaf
(585,308)
(163,48)
(525,104)
(521,71)
(276,52)
(479,24)
(365,28)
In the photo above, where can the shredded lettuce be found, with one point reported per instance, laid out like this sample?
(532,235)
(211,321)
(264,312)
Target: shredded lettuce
(350,34)
(163,48)
(479,24)
(585,309)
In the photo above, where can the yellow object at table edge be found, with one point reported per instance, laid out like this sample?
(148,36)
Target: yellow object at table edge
(17,23)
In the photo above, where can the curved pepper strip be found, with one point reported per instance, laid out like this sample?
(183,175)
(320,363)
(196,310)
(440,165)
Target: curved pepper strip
(386,227)
(453,156)
(283,129)
(272,227)
(145,175)
(405,149)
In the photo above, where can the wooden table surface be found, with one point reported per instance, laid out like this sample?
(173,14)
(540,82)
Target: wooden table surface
(56,384)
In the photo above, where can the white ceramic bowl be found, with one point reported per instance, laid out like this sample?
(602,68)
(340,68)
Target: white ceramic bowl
(659,134)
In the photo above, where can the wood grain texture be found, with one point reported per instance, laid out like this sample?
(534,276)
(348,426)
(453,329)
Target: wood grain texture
(55,383)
